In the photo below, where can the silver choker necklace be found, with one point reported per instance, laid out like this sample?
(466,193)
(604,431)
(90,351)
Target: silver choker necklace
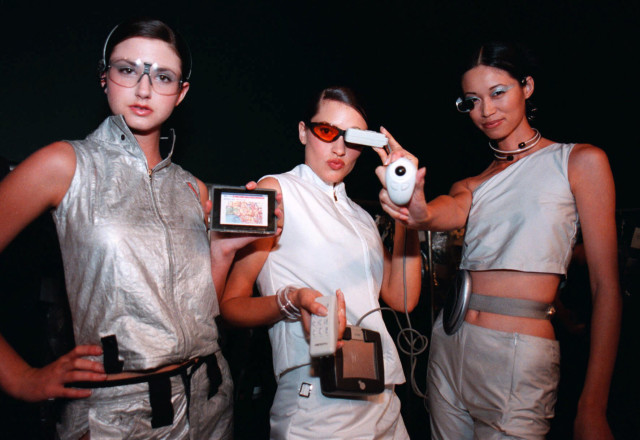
(522,147)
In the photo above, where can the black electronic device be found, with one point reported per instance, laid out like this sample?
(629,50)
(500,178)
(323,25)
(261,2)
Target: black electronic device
(357,368)
(237,209)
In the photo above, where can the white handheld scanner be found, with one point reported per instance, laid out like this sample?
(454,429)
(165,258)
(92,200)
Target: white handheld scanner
(365,137)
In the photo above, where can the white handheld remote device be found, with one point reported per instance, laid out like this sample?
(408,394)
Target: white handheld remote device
(323,336)
(365,137)
(400,178)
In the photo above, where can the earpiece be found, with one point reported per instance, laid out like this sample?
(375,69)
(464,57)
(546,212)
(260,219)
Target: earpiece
(102,64)
(527,83)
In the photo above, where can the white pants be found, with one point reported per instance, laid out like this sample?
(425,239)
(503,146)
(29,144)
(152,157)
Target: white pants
(316,417)
(124,411)
(488,384)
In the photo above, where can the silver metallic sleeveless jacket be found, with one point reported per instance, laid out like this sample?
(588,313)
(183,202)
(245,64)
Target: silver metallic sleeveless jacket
(135,252)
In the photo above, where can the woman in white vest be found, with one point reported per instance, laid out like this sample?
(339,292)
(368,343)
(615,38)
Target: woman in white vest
(328,246)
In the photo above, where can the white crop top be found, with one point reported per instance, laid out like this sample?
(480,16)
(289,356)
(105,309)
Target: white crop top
(525,217)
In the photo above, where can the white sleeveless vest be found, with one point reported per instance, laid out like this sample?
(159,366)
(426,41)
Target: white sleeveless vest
(328,243)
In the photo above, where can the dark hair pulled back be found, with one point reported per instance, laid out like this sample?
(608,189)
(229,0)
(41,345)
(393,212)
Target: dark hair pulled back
(147,28)
(511,57)
(335,93)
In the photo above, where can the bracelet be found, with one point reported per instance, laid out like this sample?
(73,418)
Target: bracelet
(287,309)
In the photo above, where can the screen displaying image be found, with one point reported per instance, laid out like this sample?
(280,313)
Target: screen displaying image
(244,209)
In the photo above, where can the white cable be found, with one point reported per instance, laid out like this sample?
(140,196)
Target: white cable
(417,342)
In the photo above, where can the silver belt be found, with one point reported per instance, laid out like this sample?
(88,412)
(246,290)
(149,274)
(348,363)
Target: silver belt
(461,299)
(525,308)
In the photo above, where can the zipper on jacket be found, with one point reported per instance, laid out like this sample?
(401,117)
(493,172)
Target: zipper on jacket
(170,255)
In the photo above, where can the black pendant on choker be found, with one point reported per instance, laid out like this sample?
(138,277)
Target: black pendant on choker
(522,147)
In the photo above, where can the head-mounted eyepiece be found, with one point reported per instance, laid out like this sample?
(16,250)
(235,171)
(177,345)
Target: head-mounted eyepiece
(464,105)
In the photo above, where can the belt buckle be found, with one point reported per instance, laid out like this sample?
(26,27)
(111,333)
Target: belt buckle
(305,389)
(551,310)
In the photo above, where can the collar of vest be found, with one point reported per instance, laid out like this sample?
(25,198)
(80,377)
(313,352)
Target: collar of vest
(308,174)
(115,130)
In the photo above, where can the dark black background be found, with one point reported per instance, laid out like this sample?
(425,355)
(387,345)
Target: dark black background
(256,62)
(255,65)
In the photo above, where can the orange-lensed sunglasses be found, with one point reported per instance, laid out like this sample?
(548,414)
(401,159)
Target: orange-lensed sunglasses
(325,132)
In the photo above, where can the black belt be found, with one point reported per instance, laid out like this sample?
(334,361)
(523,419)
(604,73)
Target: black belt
(160,386)
(136,379)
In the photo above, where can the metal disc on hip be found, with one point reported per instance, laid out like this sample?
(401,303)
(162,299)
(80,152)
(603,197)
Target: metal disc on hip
(457,302)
